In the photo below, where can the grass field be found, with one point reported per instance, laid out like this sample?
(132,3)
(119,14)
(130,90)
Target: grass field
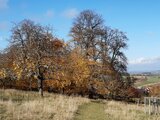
(94,110)
(20,105)
(150,81)
(113,110)
(124,111)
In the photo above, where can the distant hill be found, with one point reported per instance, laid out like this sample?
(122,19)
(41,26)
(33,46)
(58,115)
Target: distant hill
(156,72)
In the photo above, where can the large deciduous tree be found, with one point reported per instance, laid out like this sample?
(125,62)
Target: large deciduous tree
(34,49)
(98,42)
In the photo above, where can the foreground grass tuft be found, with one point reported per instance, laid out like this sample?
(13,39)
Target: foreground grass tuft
(20,105)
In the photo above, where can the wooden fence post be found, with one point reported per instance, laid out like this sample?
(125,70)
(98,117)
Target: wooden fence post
(145,105)
(151,105)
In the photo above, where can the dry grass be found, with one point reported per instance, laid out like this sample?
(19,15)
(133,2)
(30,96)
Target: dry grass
(93,110)
(19,105)
(124,111)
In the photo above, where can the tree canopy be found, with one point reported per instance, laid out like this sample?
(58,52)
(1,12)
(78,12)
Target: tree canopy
(93,60)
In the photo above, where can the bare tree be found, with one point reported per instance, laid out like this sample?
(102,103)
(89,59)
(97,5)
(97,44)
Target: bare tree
(86,32)
(115,41)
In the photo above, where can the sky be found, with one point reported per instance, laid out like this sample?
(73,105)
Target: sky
(139,19)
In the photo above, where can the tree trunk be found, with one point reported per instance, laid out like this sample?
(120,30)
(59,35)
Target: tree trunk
(30,84)
(40,86)
(40,80)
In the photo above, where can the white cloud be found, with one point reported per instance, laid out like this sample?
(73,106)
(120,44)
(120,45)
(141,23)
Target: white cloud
(3,4)
(49,13)
(70,13)
(143,60)
(151,33)
(3,25)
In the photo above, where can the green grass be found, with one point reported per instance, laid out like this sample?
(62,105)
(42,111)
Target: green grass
(150,81)
(94,110)
(112,110)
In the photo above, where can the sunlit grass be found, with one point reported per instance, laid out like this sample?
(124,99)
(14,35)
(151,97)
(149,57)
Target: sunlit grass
(124,111)
(20,105)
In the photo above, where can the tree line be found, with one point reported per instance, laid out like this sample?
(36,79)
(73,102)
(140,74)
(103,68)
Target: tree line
(92,63)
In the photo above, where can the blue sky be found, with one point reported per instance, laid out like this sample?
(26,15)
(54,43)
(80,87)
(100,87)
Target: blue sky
(140,19)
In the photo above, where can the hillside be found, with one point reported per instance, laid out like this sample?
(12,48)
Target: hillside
(20,105)
(147,80)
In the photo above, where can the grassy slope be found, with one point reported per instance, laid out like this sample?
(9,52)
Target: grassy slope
(151,80)
(20,105)
(113,110)
(91,111)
